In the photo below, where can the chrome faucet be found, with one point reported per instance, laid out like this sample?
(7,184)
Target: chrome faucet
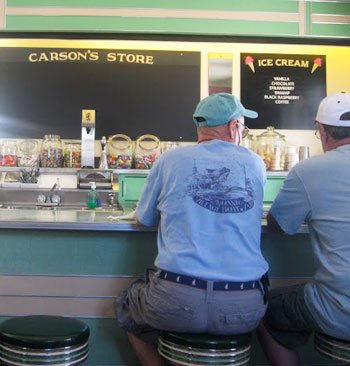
(50,194)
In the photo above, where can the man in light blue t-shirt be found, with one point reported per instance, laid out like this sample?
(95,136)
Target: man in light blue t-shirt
(316,191)
(207,201)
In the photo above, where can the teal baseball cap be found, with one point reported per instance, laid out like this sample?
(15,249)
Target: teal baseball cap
(219,109)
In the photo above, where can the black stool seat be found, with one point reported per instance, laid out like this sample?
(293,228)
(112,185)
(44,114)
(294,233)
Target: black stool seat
(334,348)
(42,339)
(204,349)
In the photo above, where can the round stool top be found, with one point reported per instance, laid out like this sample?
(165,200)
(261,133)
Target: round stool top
(207,341)
(43,331)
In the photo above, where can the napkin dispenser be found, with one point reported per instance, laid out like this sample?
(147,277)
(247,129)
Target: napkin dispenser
(102,178)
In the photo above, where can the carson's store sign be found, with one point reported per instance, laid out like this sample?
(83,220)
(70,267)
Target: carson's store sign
(42,55)
(88,55)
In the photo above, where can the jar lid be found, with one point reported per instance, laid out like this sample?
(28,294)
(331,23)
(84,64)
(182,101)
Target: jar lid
(149,138)
(28,146)
(52,137)
(120,141)
(271,133)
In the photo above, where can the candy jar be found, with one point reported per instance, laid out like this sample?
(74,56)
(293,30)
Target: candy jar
(169,145)
(119,152)
(147,151)
(9,153)
(248,142)
(72,155)
(270,145)
(28,153)
(51,152)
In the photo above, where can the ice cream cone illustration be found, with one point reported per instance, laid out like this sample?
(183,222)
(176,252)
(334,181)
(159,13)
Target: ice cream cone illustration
(317,63)
(250,62)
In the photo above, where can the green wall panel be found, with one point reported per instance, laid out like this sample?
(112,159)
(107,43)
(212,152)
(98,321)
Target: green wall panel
(192,26)
(331,8)
(335,30)
(252,5)
(76,253)
(124,253)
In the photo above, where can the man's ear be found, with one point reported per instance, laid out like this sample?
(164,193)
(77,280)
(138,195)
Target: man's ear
(231,127)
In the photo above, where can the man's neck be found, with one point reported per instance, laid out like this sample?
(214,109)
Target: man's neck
(333,144)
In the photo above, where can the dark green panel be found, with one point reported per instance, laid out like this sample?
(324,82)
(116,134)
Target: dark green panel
(76,252)
(253,5)
(118,24)
(123,253)
(288,255)
(336,30)
(331,8)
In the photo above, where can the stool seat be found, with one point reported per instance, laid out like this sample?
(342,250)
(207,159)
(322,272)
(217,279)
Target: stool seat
(42,339)
(204,349)
(334,348)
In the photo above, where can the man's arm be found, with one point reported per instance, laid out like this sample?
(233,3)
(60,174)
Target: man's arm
(138,223)
(272,224)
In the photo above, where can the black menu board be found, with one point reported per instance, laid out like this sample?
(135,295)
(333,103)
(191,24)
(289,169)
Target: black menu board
(284,89)
(134,92)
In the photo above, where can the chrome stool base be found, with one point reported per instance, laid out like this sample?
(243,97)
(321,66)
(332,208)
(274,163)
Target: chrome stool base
(182,349)
(336,349)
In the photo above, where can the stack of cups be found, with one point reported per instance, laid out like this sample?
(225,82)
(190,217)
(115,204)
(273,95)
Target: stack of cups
(292,157)
(303,152)
(276,159)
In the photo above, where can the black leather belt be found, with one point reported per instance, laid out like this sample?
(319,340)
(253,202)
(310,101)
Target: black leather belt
(217,286)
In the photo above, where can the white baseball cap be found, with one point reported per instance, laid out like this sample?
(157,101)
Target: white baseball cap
(334,110)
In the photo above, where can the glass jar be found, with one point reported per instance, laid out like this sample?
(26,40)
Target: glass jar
(248,142)
(72,155)
(51,152)
(270,145)
(119,152)
(147,151)
(9,153)
(28,153)
(169,145)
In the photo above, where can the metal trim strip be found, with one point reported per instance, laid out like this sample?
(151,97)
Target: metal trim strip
(2,14)
(331,19)
(155,13)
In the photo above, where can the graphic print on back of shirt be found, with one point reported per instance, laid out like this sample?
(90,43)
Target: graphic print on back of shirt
(222,190)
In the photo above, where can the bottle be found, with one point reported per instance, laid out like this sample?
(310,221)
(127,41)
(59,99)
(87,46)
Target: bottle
(92,200)
(103,159)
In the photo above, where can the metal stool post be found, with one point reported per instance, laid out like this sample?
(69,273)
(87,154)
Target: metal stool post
(43,340)
(336,349)
(204,349)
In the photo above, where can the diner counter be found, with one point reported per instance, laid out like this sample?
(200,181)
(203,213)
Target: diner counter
(93,220)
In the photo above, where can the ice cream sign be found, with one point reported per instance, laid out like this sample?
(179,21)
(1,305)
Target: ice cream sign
(285,89)
(283,62)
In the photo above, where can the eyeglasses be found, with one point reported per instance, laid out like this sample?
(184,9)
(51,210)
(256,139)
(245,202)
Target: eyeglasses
(317,132)
(245,131)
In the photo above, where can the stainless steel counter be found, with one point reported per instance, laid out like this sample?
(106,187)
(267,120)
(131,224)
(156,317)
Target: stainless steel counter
(93,220)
